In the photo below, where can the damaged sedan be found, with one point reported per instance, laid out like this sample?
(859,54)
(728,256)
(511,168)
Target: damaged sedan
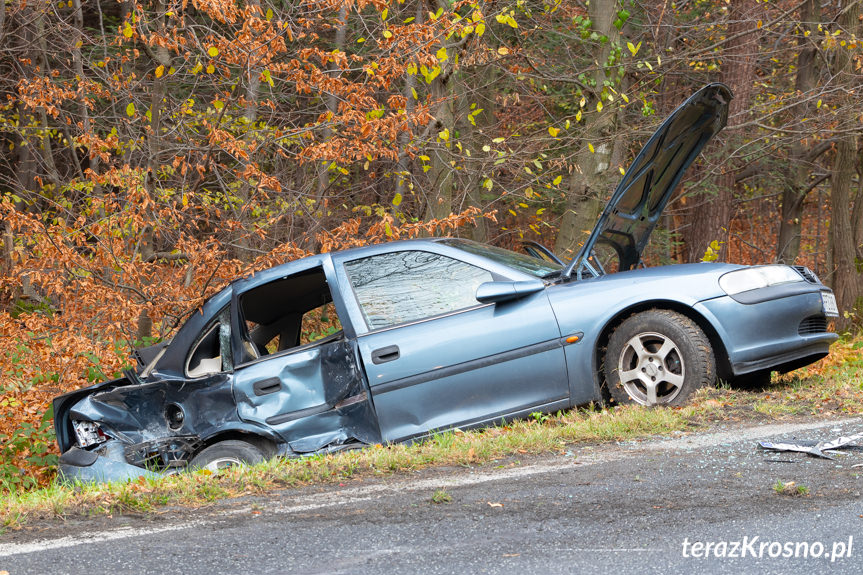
(391,342)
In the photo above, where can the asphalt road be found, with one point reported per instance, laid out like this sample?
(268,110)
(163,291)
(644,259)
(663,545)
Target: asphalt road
(696,503)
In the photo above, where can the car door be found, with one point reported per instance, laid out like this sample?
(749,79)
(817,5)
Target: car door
(296,370)
(436,358)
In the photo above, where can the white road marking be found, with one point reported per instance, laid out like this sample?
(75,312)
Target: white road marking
(92,537)
(370,492)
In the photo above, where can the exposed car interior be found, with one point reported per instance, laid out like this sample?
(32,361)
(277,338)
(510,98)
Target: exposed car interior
(288,313)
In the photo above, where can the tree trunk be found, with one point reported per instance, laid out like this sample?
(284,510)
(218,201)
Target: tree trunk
(713,210)
(846,278)
(476,133)
(443,89)
(796,172)
(589,182)
(404,176)
(332,104)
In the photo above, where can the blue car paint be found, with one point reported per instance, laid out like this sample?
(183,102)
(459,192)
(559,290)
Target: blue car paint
(766,335)
(595,305)
(461,367)
(539,351)
(466,368)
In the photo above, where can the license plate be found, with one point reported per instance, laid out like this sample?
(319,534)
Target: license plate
(828,300)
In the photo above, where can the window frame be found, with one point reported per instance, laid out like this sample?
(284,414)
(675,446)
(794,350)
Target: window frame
(240,333)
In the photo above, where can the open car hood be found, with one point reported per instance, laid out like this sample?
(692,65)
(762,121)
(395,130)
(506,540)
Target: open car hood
(637,203)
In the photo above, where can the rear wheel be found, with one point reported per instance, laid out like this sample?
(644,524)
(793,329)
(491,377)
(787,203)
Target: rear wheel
(226,454)
(658,357)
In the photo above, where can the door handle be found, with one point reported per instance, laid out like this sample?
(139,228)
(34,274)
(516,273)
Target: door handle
(385,354)
(267,386)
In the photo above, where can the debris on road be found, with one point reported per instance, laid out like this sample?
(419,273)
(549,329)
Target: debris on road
(816,448)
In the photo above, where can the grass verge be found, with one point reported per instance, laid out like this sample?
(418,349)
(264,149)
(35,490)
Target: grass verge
(831,387)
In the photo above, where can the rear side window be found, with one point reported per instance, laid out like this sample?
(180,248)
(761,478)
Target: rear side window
(211,352)
(407,286)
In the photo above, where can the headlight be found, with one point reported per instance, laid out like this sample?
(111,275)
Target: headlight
(757,277)
(88,433)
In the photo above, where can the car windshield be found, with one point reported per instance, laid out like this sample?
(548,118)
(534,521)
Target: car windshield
(521,262)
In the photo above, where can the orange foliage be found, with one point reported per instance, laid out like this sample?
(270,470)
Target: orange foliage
(92,283)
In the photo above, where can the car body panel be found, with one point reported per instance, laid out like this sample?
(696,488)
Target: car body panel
(692,288)
(454,369)
(395,341)
(777,340)
(603,300)
(312,397)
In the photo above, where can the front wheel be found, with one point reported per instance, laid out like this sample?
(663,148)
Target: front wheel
(226,454)
(658,357)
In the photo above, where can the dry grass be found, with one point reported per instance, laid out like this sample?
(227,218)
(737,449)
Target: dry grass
(831,387)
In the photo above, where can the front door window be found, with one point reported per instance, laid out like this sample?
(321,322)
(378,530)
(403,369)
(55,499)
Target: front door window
(407,286)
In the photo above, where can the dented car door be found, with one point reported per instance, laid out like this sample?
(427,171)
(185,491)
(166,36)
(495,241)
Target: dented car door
(297,371)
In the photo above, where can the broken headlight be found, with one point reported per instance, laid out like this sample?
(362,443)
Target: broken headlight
(88,433)
(757,277)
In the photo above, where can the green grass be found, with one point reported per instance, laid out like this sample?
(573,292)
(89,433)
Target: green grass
(790,488)
(441,496)
(453,448)
(831,387)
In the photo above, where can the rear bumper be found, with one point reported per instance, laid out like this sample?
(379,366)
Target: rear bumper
(90,466)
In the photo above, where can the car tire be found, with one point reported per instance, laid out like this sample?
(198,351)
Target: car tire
(226,454)
(658,357)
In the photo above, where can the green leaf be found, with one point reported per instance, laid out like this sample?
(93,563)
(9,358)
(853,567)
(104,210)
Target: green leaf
(130,109)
